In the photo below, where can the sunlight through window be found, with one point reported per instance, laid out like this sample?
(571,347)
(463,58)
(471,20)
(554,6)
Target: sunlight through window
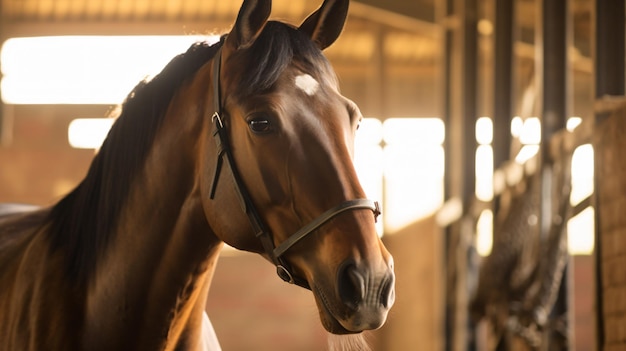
(531,131)
(368,159)
(582,173)
(573,123)
(516,126)
(84,69)
(402,161)
(581,229)
(484,172)
(484,131)
(526,153)
(484,159)
(88,133)
(484,233)
(580,233)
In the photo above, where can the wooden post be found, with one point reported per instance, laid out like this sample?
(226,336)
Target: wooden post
(503,80)
(459,20)
(2,39)
(609,48)
(553,39)
(608,52)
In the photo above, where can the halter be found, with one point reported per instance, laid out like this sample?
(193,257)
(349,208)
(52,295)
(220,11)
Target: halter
(275,253)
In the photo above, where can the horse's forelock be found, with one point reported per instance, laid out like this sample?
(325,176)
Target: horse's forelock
(277,47)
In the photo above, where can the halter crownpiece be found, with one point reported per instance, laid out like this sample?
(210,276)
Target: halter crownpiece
(275,253)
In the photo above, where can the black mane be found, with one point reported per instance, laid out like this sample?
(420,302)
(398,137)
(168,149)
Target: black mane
(82,223)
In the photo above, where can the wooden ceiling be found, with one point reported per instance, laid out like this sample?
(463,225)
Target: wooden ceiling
(157,10)
(139,10)
(369,27)
(405,30)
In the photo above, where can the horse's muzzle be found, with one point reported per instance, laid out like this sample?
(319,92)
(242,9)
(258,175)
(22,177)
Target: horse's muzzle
(367,294)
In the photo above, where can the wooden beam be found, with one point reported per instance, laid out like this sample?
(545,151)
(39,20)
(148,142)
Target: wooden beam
(609,54)
(609,48)
(553,37)
(47,28)
(503,85)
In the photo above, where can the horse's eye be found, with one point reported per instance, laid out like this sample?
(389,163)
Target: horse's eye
(260,125)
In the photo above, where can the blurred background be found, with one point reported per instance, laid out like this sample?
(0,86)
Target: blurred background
(466,101)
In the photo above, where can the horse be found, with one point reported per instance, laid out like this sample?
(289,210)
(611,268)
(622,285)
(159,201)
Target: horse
(248,142)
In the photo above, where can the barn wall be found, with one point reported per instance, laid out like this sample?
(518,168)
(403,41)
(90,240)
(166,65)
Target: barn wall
(252,309)
(610,146)
(37,164)
(417,318)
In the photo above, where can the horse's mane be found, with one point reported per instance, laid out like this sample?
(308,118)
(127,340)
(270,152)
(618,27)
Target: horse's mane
(83,222)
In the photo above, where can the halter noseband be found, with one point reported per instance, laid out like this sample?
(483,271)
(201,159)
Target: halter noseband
(275,253)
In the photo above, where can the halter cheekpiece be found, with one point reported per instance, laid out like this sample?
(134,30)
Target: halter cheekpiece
(275,253)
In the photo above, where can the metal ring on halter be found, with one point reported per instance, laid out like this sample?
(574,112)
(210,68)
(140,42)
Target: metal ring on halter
(284,274)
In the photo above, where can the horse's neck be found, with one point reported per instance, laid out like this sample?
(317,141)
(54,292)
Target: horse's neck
(151,285)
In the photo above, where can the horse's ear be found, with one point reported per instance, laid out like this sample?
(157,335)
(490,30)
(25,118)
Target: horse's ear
(250,22)
(325,24)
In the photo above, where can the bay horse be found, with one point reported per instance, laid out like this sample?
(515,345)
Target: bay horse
(247,141)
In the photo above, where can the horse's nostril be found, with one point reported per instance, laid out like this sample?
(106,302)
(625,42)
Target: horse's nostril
(388,293)
(351,286)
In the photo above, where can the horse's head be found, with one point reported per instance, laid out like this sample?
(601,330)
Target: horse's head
(289,136)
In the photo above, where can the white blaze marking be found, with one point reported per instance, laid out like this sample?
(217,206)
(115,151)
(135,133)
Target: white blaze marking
(307,84)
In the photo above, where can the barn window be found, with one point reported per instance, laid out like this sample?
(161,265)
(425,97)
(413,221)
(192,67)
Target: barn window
(401,162)
(581,228)
(83,69)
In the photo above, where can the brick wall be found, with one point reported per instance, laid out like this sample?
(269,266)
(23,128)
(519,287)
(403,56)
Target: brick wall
(610,150)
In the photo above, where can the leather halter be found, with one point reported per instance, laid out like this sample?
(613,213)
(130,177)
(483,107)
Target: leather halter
(275,253)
